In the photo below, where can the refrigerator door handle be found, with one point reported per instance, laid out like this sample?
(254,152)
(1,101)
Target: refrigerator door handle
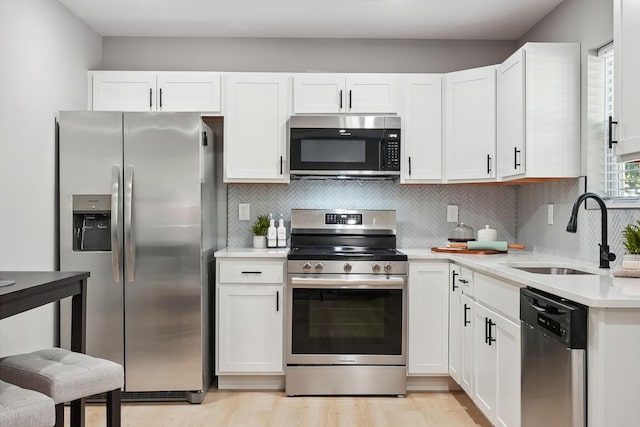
(115,223)
(129,232)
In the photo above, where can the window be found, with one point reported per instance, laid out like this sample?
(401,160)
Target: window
(620,180)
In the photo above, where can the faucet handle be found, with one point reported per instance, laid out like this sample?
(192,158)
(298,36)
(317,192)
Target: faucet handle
(605,254)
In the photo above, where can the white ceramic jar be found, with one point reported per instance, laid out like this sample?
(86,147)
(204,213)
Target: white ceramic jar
(487,234)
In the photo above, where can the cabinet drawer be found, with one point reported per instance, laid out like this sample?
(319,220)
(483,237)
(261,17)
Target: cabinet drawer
(502,296)
(251,272)
(466,281)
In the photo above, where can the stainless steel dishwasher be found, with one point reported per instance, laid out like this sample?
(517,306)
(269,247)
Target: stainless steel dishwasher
(554,360)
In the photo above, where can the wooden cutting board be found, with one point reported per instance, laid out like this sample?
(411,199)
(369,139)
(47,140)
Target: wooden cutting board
(467,251)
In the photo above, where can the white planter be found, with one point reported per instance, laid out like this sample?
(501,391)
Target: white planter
(259,242)
(631,262)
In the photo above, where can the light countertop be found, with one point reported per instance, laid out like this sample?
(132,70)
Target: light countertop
(252,253)
(599,289)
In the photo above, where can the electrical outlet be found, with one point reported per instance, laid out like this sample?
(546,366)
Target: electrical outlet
(244,211)
(452,213)
(550,214)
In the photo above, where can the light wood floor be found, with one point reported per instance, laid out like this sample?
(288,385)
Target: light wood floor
(275,409)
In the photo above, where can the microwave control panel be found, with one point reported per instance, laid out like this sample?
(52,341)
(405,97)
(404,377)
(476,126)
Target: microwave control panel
(391,150)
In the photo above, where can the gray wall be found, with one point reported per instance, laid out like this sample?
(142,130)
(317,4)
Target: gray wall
(46,52)
(300,55)
(589,22)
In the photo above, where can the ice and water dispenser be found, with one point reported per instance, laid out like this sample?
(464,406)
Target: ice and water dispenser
(92,222)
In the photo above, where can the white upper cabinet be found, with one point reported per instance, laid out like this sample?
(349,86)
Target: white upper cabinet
(470,125)
(154,91)
(122,91)
(320,93)
(189,91)
(539,112)
(255,128)
(422,129)
(626,35)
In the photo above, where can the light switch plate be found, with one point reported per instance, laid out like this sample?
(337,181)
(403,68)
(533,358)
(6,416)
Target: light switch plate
(244,211)
(550,214)
(452,213)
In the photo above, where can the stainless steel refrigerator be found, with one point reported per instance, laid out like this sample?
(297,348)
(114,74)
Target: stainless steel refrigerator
(142,209)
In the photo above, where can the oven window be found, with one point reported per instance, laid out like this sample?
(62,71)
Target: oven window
(347,321)
(333,150)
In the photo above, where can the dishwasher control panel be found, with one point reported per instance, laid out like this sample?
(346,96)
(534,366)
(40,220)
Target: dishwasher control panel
(551,325)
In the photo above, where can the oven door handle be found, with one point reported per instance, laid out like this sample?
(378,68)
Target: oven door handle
(372,282)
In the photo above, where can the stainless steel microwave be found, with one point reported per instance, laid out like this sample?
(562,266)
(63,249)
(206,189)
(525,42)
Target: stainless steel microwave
(344,146)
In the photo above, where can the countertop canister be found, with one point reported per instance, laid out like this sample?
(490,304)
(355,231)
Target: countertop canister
(487,234)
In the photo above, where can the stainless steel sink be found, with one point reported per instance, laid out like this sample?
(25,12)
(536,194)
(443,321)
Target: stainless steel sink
(551,270)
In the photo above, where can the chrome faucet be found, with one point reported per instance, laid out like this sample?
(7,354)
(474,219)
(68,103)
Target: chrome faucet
(605,255)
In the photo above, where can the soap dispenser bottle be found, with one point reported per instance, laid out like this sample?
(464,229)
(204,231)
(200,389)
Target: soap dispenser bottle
(282,233)
(272,234)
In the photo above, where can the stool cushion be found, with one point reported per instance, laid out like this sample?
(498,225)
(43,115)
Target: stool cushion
(25,408)
(61,374)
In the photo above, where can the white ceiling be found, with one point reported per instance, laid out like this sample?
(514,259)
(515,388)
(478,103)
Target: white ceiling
(394,19)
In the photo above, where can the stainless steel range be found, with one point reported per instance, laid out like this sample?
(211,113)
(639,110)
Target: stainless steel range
(346,304)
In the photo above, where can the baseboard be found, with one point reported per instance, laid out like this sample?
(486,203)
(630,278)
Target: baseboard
(445,383)
(251,382)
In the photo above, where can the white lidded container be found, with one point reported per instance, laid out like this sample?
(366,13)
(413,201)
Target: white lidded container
(487,234)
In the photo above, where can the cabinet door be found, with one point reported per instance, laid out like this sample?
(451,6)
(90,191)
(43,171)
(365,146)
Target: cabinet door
(626,34)
(511,115)
(484,369)
(255,128)
(250,328)
(470,125)
(189,91)
(372,93)
(466,347)
(428,326)
(455,323)
(318,93)
(124,91)
(507,334)
(422,130)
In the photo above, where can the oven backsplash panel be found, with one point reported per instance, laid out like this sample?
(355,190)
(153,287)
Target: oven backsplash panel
(421,209)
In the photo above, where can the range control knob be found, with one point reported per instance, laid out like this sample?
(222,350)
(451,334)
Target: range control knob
(306,266)
(347,267)
(319,267)
(387,268)
(375,267)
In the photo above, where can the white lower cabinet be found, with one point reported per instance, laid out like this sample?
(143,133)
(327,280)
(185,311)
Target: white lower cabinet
(249,312)
(496,379)
(428,320)
(467,354)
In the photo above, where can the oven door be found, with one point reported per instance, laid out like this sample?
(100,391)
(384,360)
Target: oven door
(336,151)
(346,319)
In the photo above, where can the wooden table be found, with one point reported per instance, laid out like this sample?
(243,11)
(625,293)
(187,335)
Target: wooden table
(37,288)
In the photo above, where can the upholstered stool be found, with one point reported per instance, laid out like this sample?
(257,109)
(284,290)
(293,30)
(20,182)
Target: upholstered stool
(66,376)
(25,408)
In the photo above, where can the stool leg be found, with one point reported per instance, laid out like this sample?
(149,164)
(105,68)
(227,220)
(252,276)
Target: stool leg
(113,408)
(77,413)
(59,415)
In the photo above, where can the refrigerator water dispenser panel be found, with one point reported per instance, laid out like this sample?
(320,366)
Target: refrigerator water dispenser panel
(91,222)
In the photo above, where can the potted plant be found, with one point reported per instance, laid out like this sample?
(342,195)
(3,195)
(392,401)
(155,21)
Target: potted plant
(259,229)
(631,242)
